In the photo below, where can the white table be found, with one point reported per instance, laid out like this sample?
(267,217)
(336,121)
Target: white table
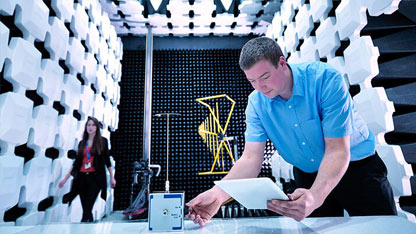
(275,225)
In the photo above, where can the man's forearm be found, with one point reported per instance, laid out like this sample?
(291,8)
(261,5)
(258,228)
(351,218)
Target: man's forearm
(331,170)
(245,167)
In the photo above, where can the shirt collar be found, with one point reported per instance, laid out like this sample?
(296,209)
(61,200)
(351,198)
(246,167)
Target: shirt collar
(298,87)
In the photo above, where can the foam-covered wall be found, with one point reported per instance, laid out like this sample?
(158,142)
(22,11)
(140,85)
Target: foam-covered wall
(292,28)
(60,63)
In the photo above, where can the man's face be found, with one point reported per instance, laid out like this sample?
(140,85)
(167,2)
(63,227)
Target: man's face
(266,78)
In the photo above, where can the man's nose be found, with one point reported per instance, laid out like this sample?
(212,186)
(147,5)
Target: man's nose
(261,86)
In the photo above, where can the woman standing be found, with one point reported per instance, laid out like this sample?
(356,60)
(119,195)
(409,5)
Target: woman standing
(89,169)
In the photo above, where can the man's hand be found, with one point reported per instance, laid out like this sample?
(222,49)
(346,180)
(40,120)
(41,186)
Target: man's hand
(203,207)
(301,204)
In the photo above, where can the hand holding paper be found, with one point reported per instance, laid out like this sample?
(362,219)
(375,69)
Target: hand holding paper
(252,193)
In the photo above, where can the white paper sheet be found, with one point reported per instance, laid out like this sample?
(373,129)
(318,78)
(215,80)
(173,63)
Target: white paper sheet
(252,193)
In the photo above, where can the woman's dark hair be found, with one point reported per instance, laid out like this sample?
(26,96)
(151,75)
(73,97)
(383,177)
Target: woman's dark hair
(97,145)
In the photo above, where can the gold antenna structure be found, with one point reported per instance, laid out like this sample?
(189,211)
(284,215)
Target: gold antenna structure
(214,135)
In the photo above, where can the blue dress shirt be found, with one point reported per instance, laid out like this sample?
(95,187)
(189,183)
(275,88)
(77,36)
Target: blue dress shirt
(320,106)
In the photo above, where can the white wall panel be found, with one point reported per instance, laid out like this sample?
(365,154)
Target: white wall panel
(291,37)
(44,124)
(33,19)
(93,36)
(376,109)
(277,27)
(378,7)
(281,169)
(101,80)
(308,52)
(37,173)
(4,41)
(95,12)
(79,22)
(75,210)
(295,57)
(31,219)
(117,96)
(11,179)
(15,117)
(250,7)
(304,24)
(60,168)
(287,12)
(99,208)
(117,75)
(108,108)
(103,52)
(90,68)
(75,56)
(65,98)
(105,26)
(131,7)
(63,9)
(57,214)
(87,101)
(361,61)
(24,69)
(98,107)
(67,129)
(399,170)
(86,4)
(109,90)
(327,39)
(350,17)
(114,118)
(56,41)
(111,64)
(71,92)
(52,79)
(297,4)
(7,7)
(112,40)
(320,8)
(109,201)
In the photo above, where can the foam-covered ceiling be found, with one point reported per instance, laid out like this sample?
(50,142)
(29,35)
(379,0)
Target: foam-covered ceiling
(191,17)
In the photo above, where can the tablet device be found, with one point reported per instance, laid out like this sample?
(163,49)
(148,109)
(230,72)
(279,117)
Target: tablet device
(252,193)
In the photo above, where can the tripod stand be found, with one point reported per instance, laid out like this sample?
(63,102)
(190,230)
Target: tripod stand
(140,204)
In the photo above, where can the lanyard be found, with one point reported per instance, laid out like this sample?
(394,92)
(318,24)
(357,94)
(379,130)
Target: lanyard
(88,152)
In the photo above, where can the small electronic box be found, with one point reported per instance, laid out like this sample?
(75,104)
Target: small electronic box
(166,209)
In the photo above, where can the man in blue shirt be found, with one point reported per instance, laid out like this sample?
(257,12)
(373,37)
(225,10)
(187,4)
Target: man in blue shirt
(308,114)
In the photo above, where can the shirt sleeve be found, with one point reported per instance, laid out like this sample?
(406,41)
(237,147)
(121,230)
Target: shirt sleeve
(106,153)
(76,165)
(336,105)
(255,131)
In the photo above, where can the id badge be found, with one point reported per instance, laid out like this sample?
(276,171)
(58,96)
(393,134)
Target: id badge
(87,165)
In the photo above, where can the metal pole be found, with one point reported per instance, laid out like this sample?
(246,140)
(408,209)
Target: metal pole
(147,126)
(167,146)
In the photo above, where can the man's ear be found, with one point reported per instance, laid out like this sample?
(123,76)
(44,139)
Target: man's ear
(282,60)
